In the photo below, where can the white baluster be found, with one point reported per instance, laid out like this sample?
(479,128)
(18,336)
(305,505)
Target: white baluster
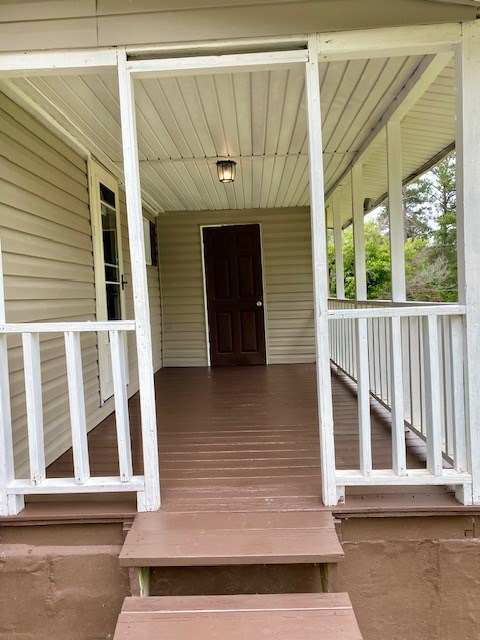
(363,398)
(76,396)
(433,426)
(117,349)
(399,457)
(33,395)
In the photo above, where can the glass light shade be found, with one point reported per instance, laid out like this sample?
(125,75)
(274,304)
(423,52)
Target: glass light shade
(226,170)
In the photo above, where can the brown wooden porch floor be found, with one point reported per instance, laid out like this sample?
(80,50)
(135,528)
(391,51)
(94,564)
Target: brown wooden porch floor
(245,438)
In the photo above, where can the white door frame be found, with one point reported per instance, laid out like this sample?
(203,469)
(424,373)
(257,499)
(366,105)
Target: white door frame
(96,175)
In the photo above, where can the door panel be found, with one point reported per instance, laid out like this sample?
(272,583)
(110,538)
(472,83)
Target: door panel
(233,270)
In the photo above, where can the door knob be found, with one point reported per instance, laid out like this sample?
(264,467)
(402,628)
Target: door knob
(259,303)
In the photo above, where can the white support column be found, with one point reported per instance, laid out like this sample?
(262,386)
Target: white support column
(395,209)
(9,505)
(151,500)
(320,276)
(338,244)
(468,233)
(359,232)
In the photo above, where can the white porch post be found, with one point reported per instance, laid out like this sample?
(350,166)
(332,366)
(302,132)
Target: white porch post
(9,505)
(359,232)
(395,209)
(338,244)
(320,276)
(151,500)
(468,215)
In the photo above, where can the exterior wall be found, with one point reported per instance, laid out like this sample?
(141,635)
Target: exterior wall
(288,292)
(26,25)
(48,263)
(415,577)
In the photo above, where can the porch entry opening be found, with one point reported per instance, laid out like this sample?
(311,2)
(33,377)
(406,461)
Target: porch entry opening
(234,294)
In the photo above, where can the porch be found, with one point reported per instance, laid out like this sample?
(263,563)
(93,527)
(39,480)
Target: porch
(328,149)
(246,439)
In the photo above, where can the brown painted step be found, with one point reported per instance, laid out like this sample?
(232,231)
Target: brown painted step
(209,539)
(297,616)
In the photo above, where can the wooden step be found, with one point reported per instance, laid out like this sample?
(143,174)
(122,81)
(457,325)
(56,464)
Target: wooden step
(210,539)
(297,616)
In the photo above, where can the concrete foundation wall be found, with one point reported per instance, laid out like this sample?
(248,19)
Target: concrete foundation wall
(413,578)
(408,578)
(60,583)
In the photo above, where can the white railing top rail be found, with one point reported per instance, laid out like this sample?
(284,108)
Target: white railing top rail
(390,303)
(63,327)
(398,312)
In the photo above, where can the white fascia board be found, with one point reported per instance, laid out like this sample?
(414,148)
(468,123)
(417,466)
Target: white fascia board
(63,62)
(388,42)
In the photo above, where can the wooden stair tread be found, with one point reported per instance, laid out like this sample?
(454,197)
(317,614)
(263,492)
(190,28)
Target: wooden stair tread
(210,539)
(297,616)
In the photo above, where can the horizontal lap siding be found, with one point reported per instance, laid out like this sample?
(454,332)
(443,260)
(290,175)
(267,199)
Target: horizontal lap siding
(49,276)
(287,274)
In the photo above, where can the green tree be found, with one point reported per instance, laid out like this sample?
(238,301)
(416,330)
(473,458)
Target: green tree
(430,234)
(377,258)
(418,209)
(444,247)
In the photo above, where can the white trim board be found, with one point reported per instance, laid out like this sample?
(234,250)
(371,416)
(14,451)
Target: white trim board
(228,63)
(62,62)
(388,42)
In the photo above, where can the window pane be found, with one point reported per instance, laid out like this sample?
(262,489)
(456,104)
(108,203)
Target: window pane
(114,310)
(112,273)
(110,246)
(147,241)
(107,196)
(153,244)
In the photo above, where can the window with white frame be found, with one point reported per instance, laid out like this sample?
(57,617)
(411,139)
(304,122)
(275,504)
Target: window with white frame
(150,240)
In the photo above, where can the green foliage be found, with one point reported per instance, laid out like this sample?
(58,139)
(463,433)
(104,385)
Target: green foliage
(445,234)
(430,242)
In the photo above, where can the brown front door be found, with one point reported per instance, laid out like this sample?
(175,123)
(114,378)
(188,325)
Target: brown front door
(233,269)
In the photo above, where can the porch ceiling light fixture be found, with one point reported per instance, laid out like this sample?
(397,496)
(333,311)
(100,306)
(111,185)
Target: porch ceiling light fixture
(226,170)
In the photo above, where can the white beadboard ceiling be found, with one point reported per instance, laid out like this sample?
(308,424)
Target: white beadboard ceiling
(258,119)
(428,130)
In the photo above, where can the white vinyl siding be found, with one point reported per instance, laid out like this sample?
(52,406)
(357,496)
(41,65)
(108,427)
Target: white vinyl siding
(288,294)
(49,276)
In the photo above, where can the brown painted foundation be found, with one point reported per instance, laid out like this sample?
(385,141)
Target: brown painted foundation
(408,578)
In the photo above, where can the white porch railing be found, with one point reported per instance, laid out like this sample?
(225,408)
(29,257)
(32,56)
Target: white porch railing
(82,482)
(409,356)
